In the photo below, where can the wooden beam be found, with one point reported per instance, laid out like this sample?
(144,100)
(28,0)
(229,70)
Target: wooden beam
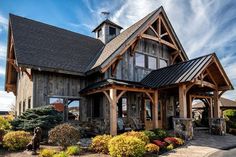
(216,105)
(113,112)
(108,97)
(120,95)
(211,77)
(158,36)
(220,94)
(133,47)
(182,101)
(155,110)
(146,36)
(205,83)
(224,88)
(12,62)
(150,97)
(27,73)
(164,34)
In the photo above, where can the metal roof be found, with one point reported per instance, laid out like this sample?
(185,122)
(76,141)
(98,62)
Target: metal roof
(177,73)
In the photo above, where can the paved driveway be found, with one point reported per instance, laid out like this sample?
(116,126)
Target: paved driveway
(203,145)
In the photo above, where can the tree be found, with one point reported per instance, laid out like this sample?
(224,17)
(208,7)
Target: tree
(43,117)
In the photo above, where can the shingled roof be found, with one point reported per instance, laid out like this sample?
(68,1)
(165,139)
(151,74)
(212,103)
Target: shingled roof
(42,46)
(177,73)
(108,22)
(116,45)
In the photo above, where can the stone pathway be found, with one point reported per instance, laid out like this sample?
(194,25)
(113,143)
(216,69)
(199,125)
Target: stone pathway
(203,145)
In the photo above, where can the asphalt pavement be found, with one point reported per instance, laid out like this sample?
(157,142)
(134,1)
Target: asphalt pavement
(224,153)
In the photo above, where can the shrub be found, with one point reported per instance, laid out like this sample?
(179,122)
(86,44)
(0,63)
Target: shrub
(100,143)
(5,123)
(126,146)
(47,152)
(179,141)
(152,148)
(61,154)
(160,133)
(139,135)
(150,134)
(16,140)
(170,147)
(64,135)
(159,143)
(171,140)
(2,133)
(73,150)
(230,113)
(43,117)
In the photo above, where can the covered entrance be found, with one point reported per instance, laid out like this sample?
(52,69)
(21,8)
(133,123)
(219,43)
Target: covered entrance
(145,108)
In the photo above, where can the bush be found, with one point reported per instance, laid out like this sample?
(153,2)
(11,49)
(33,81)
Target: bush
(230,113)
(170,147)
(160,133)
(73,150)
(47,152)
(4,123)
(150,134)
(43,117)
(171,140)
(100,143)
(61,154)
(64,135)
(126,146)
(152,148)
(159,143)
(139,135)
(179,141)
(16,140)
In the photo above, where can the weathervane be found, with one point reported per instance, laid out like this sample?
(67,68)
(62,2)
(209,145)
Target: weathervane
(106,14)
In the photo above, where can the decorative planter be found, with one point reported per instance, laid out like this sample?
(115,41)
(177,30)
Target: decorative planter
(184,127)
(217,126)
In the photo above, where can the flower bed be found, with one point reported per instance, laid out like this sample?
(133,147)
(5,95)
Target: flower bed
(141,143)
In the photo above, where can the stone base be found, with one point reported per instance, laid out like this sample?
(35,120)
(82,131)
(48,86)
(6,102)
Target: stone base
(217,126)
(184,127)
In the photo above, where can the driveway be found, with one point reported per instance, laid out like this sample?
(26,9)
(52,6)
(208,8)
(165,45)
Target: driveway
(224,153)
(203,145)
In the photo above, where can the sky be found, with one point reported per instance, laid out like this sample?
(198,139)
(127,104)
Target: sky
(203,26)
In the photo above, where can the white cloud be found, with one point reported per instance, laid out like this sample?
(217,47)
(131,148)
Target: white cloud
(3,23)
(3,51)
(6,100)
(2,71)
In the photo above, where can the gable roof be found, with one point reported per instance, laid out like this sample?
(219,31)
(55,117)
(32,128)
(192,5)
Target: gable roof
(38,45)
(108,22)
(116,45)
(181,72)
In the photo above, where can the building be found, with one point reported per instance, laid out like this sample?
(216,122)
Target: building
(142,73)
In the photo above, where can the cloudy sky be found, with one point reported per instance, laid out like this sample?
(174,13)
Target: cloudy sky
(203,26)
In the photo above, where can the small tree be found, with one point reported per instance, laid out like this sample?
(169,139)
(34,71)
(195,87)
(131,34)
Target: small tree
(64,135)
(44,117)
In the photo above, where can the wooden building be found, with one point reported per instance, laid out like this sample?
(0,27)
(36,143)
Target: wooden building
(141,74)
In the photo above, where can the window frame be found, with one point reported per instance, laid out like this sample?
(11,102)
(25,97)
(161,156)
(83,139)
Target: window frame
(148,56)
(163,60)
(99,33)
(110,29)
(144,66)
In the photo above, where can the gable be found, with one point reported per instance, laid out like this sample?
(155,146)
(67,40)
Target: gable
(128,38)
(206,69)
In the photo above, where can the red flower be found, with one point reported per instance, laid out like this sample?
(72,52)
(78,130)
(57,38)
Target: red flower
(171,140)
(159,143)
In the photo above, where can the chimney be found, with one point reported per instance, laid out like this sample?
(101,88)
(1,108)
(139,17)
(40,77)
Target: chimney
(107,30)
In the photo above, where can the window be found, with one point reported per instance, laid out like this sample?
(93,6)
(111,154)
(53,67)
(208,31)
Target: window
(152,63)
(23,106)
(122,107)
(99,32)
(139,60)
(29,103)
(20,108)
(112,31)
(96,106)
(148,108)
(163,63)
(73,109)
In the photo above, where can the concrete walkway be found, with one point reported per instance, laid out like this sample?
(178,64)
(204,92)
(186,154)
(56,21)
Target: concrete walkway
(203,145)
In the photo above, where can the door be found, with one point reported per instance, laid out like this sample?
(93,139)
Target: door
(148,117)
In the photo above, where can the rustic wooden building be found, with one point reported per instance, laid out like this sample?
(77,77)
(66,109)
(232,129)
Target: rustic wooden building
(141,74)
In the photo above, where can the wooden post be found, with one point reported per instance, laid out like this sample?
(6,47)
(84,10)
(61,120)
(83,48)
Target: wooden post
(189,106)
(216,105)
(113,112)
(182,102)
(155,110)
(211,108)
